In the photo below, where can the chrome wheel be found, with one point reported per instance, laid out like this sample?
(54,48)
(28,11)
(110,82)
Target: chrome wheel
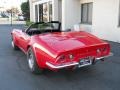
(30,61)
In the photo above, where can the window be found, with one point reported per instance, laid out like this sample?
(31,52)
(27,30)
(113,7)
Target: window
(40,12)
(45,12)
(86,13)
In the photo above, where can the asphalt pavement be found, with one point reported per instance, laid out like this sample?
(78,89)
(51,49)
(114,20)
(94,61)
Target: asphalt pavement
(15,75)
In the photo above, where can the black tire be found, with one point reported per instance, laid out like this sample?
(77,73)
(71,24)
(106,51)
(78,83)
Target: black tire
(14,46)
(33,66)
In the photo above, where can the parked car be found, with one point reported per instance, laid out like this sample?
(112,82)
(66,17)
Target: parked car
(20,18)
(47,47)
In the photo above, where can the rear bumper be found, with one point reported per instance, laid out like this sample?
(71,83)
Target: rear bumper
(61,66)
(74,63)
(99,58)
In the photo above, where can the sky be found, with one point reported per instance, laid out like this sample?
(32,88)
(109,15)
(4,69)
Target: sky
(11,3)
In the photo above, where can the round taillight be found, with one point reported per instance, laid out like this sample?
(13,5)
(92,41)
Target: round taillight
(71,57)
(104,49)
(98,51)
(61,58)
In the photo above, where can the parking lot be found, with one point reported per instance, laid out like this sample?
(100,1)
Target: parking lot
(15,75)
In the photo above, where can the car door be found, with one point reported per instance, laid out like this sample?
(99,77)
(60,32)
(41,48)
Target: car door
(24,40)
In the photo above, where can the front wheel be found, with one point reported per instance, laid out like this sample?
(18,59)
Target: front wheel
(33,66)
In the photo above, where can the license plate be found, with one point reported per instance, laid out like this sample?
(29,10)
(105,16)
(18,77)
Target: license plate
(84,62)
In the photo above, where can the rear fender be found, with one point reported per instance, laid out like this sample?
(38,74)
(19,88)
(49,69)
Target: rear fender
(40,57)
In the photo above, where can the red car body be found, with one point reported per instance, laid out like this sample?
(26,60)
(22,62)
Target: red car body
(59,50)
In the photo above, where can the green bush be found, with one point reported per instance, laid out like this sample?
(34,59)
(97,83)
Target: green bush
(28,23)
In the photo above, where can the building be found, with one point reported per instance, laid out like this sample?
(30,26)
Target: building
(100,17)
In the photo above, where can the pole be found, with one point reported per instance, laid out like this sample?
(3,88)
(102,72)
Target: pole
(11,17)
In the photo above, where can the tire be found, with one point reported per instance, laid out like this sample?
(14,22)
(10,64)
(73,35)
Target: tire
(33,66)
(14,46)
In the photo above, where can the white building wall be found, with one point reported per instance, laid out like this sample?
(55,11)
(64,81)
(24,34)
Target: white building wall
(60,10)
(31,10)
(105,19)
(55,10)
(70,13)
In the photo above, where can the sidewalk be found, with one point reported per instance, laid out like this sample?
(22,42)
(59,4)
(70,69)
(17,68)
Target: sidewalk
(7,21)
(13,22)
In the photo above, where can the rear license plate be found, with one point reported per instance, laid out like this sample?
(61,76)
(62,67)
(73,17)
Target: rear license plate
(84,62)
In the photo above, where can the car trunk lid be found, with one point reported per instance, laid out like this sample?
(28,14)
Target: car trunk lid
(66,41)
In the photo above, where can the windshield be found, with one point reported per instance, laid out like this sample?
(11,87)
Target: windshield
(45,26)
(42,27)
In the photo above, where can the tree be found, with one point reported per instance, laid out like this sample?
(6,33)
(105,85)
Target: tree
(25,10)
(13,9)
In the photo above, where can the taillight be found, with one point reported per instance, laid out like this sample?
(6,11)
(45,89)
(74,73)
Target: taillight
(61,58)
(104,49)
(64,58)
(71,57)
(98,51)
(101,50)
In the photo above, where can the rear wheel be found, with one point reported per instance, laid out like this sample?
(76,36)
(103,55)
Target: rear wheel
(14,46)
(33,66)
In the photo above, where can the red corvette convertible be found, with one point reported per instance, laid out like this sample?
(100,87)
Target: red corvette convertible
(47,47)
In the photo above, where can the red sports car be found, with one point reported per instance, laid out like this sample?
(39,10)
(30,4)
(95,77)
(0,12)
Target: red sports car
(47,47)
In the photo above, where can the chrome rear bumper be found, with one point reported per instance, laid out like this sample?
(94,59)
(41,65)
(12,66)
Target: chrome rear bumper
(99,58)
(61,66)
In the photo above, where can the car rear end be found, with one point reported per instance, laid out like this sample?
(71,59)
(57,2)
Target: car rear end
(81,57)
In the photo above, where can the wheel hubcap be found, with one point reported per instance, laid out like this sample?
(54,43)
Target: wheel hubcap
(30,61)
